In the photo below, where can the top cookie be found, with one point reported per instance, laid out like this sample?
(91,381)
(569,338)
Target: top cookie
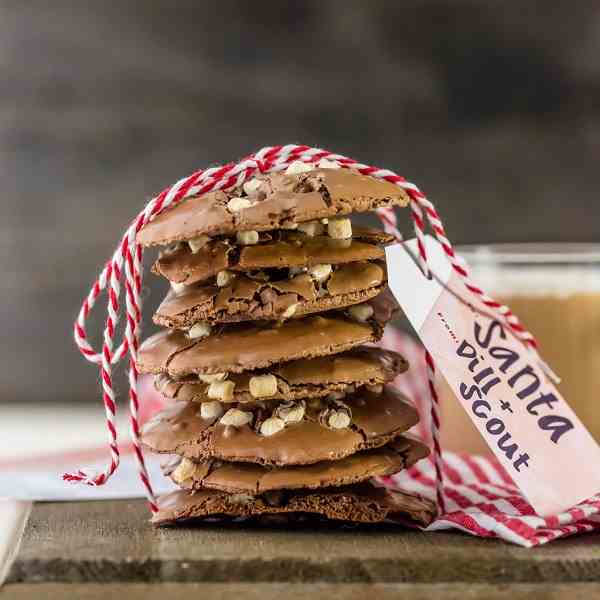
(280,200)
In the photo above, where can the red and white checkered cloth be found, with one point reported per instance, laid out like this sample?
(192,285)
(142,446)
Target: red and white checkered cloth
(481,499)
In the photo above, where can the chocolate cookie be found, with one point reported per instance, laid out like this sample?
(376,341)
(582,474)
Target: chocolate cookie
(274,250)
(255,479)
(361,503)
(274,201)
(306,378)
(261,298)
(242,347)
(298,434)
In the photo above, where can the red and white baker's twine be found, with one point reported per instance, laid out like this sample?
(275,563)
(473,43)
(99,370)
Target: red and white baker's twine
(125,267)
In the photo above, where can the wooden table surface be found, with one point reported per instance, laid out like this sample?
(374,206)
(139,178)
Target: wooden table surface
(97,548)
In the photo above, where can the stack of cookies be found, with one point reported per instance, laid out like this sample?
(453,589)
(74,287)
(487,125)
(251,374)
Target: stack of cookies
(280,401)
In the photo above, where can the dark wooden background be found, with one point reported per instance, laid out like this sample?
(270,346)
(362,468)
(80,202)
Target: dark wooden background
(492,107)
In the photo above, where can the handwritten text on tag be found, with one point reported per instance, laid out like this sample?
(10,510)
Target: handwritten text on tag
(521,415)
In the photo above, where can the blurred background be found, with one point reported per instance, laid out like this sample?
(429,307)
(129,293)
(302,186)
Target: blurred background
(491,107)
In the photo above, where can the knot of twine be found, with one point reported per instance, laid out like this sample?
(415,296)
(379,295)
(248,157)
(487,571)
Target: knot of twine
(124,268)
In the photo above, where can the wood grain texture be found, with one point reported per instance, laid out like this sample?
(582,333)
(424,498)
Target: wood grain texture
(297,591)
(112,542)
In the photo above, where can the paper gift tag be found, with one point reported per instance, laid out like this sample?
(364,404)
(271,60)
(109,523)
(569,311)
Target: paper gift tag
(521,415)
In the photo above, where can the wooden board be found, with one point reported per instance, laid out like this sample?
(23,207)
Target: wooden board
(112,542)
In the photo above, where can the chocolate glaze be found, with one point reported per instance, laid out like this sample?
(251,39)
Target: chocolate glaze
(281,249)
(247,299)
(307,378)
(255,479)
(376,420)
(360,503)
(243,347)
(284,201)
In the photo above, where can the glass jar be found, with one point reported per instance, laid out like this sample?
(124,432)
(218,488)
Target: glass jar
(555,290)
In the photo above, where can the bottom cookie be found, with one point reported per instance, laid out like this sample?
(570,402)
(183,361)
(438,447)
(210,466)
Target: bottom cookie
(362,503)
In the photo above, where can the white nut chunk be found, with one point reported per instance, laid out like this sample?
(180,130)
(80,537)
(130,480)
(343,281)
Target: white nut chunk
(177,287)
(185,470)
(338,419)
(225,278)
(237,204)
(221,390)
(251,186)
(211,410)
(199,330)
(339,229)
(262,386)
(212,377)
(328,164)
(361,312)
(271,426)
(289,311)
(311,228)
(198,243)
(291,412)
(298,167)
(320,273)
(247,238)
(236,418)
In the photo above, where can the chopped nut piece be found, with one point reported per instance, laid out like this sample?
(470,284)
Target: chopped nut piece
(237,204)
(251,186)
(198,243)
(240,498)
(221,390)
(291,412)
(338,419)
(247,238)
(375,389)
(177,287)
(262,386)
(334,396)
(289,311)
(185,470)
(199,330)
(212,377)
(298,167)
(211,410)
(311,228)
(320,272)
(339,229)
(170,249)
(225,278)
(328,164)
(236,418)
(361,312)
(271,426)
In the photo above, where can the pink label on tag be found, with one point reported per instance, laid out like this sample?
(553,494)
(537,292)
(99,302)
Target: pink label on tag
(521,415)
